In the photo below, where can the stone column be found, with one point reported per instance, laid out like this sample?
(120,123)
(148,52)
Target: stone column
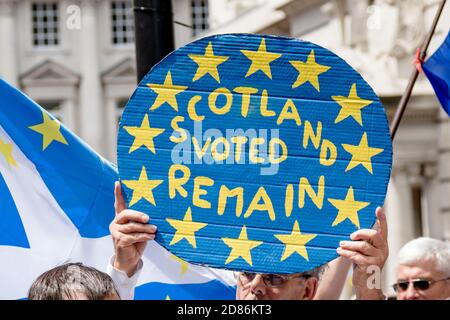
(358,23)
(111,128)
(444,172)
(8,42)
(431,224)
(182,13)
(68,108)
(91,111)
(400,217)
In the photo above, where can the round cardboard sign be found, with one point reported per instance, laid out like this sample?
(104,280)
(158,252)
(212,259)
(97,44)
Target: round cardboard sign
(254,153)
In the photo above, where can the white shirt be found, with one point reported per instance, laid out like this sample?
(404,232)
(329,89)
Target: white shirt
(125,285)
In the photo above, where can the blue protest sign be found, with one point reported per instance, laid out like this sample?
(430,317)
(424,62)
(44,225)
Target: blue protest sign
(254,153)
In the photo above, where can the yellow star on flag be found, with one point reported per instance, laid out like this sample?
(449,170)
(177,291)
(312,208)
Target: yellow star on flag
(348,208)
(184,264)
(351,106)
(142,188)
(166,93)
(185,229)
(361,154)
(241,247)
(260,59)
(6,151)
(309,71)
(143,135)
(295,242)
(50,130)
(207,63)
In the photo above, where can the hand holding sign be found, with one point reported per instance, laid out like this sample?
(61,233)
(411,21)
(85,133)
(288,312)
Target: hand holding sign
(369,249)
(254,153)
(130,233)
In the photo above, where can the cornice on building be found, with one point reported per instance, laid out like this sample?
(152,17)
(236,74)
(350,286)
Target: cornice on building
(50,73)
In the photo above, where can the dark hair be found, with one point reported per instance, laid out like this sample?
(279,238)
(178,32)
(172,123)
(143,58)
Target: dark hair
(70,280)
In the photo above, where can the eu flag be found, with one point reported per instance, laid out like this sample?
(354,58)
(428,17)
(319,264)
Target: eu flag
(437,70)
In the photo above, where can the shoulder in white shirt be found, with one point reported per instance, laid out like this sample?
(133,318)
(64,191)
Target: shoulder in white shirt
(125,285)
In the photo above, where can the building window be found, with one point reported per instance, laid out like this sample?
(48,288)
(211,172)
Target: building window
(122,22)
(45,24)
(200,16)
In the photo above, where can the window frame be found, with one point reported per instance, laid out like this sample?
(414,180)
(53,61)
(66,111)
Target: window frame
(202,9)
(111,26)
(26,24)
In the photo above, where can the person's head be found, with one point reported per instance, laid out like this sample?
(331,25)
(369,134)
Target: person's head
(298,286)
(73,281)
(423,270)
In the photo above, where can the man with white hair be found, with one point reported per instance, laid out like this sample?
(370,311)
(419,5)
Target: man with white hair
(423,270)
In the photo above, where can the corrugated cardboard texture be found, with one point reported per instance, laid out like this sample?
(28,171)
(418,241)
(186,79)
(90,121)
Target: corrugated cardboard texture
(287,96)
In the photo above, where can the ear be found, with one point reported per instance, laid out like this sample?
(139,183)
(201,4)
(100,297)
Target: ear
(310,288)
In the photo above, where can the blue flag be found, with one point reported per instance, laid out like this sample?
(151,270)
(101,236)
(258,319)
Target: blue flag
(437,70)
(56,196)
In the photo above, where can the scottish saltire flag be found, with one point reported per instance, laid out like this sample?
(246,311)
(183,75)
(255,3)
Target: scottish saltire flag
(56,200)
(437,70)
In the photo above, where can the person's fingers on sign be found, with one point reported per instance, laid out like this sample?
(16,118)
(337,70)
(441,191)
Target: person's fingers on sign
(130,232)
(368,249)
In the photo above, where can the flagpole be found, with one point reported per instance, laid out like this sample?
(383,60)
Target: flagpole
(412,80)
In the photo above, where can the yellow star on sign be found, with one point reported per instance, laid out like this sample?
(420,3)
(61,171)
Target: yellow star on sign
(142,188)
(348,208)
(166,93)
(351,106)
(361,154)
(295,242)
(6,151)
(207,63)
(184,264)
(186,229)
(50,130)
(143,135)
(261,59)
(309,71)
(241,247)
